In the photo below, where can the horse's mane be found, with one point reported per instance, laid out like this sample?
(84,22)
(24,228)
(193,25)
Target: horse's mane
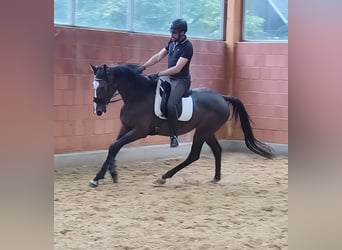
(130,73)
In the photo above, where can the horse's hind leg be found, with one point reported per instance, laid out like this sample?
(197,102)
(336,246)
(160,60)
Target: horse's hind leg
(217,151)
(193,156)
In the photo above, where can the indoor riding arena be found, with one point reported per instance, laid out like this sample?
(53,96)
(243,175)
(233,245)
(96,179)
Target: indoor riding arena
(240,49)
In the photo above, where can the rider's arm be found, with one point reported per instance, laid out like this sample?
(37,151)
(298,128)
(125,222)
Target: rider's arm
(175,69)
(155,58)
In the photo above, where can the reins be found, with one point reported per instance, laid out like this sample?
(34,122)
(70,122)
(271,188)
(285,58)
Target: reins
(99,100)
(116,99)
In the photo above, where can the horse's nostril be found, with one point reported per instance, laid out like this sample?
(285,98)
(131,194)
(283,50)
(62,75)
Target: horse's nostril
(99,113)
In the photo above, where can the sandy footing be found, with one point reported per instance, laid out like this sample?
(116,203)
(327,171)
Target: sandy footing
(247,209)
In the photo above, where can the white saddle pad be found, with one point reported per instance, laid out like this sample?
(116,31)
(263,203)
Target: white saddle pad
(187,106)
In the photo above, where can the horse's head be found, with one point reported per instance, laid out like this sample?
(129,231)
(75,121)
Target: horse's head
(104,89)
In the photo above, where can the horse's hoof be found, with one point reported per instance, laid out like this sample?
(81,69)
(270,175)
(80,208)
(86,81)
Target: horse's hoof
(114,177)
(93,184)
(215,181)
(160,180)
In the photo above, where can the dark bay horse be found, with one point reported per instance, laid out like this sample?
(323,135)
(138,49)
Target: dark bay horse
(211,110)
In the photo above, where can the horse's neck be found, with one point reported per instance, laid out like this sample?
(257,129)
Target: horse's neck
(130,93)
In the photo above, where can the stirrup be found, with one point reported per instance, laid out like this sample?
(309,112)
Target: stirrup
(173,141)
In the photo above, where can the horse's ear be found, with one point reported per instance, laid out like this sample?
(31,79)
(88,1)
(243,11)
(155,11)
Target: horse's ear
(93,68)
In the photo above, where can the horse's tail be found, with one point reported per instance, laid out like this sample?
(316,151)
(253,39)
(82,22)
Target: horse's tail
(251,142)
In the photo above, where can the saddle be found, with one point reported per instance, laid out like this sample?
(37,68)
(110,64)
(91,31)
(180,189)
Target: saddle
(184,108)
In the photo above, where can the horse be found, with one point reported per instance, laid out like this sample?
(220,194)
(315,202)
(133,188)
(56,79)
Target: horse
(138,120)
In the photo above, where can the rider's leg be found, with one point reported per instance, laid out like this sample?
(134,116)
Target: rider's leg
(178,88)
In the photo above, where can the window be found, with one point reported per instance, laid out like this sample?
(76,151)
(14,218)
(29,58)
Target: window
(265,20)
(102,14)
(204,17)
(62,12)
(154,16)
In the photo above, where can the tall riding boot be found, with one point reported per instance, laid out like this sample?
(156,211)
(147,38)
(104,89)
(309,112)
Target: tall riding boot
(173,124)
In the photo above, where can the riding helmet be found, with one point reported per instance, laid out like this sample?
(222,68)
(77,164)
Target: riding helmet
(179,25)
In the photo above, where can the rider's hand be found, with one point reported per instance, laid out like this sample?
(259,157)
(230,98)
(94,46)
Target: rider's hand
(140,69)
(153,77)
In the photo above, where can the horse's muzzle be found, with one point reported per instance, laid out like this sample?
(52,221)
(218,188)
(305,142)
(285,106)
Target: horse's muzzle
(99,109)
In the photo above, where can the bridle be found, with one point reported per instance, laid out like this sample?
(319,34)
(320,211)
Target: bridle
(105,100)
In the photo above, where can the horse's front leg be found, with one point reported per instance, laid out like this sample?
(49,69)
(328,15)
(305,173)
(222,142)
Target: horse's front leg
(109,164)
(102,172)
(113,172)
(112,167)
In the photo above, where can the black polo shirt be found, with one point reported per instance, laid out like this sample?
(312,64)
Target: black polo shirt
(177,50)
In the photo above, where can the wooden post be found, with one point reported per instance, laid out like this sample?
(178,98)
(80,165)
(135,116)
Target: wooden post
(233,36)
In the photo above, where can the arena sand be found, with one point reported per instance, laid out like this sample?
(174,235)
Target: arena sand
(247,209)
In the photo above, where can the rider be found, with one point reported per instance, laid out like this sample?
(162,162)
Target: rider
(179,51)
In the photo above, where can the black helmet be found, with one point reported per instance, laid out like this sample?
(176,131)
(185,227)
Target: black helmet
(179,25)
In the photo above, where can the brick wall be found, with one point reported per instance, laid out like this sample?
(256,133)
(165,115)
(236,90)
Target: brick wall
(76,127)
(262,85)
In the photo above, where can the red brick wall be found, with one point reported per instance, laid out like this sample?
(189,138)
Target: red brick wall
(76,127)
(262,85)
